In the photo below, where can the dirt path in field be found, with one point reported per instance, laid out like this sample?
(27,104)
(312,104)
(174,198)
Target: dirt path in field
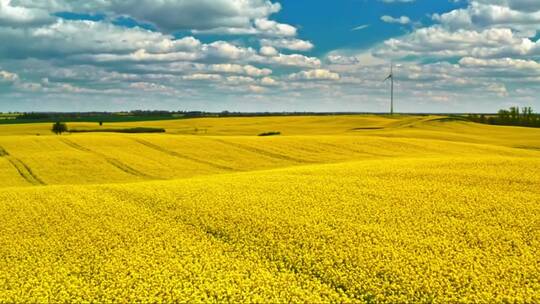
(112,161)
(183,156)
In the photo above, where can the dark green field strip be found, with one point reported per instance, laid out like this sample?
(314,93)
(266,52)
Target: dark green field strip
(126,130)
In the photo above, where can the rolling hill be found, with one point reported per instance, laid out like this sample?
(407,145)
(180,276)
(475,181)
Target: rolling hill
(337,209)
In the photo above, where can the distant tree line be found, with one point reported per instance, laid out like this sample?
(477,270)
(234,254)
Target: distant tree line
(98,117)
(79,115)
(139,115)
(514,116)
(68,116)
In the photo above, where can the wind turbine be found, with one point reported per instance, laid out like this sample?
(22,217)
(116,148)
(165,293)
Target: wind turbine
(391,77)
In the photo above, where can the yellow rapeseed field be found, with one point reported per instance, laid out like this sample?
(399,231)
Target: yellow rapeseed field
(338,209)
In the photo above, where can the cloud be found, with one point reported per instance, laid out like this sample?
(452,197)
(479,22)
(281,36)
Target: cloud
(289,44)
(521,5)
(498,88)
(152,87)
(226,50)
(239,69)
(256,89)
(318,74)
(401,20)
(173,15)
(483,29)
(268,51)
(6,76)
(260,27)
(239,80)
(480,15)
(338,60)
(64,38)
(274,28)
(98,42)
(12,15)
(269,81)
(501,63)
(440,42)
(293,60)
(204,77)
(233,17)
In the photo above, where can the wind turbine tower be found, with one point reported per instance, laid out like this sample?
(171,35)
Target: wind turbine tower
(391,77)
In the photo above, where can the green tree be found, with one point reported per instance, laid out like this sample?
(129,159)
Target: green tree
(482,118)
(527,113)
(504,116)
(514,114)
(59,128)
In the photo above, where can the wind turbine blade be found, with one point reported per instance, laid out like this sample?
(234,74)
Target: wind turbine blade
(389,76)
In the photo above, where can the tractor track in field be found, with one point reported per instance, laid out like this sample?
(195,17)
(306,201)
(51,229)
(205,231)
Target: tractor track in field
(23,169)
(183,156)
(112,161)
(352,150)
(3,152)
(121,166)
(25,172)
(259,151)
(76,146)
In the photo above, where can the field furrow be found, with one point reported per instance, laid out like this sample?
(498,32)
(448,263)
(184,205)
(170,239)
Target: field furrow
(3,152)
(25,171)
(259,151)
(75,145)
(112,161)
(182,156)
(125,168)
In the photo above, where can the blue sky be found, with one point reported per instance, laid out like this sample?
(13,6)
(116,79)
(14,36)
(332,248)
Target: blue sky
(330,26)
(262,55)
